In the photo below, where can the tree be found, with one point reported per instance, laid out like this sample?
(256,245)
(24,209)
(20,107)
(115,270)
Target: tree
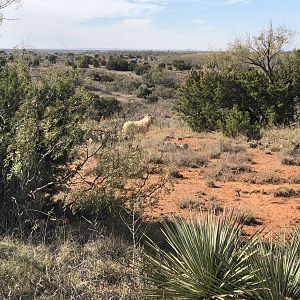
(255,86)
(265,50)
(4,4)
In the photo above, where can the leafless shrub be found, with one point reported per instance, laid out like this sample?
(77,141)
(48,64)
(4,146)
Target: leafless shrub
(183,157)
(286,192)
(211,184)
(227,146)
(247,217)
(295,178)
(216,149)
(190,204)
(226,171)
(261,178)
(214,204)
(191,159)
(291,156)
(238,158)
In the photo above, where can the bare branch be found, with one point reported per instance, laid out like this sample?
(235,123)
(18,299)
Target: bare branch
(263,51)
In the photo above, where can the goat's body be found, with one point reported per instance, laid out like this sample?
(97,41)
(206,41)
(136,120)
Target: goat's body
(141,126)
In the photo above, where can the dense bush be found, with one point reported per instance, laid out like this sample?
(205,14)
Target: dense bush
(256,82)
(86,61)
(117,64)
(35,62)
(96,63)
(104,107)
(211,97)
(101,77)
(141,69)
(52,58)
(181,65)
(41,126)
(161,65)
(235,122)
(143,91)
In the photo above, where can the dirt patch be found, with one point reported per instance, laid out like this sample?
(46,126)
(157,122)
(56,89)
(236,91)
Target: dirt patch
(257,197)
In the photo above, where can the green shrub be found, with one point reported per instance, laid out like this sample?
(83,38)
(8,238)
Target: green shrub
(35,62)
(104,107)
(117,64)
(246,97)
(161,65)
(235,123)
(86,61)
(143,91)
(141,69)
(52,58)
(181,65)
(39,133)
(96,63)
(102,77)
(132,65)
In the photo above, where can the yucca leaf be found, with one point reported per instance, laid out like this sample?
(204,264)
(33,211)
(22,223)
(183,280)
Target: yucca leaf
(208,260)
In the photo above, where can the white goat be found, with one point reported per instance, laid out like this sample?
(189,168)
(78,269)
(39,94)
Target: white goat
(141,126)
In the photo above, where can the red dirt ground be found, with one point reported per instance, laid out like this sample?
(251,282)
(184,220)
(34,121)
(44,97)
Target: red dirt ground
(275,213)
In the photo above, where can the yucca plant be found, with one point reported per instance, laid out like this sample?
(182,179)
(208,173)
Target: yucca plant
(208,259)
(277,266)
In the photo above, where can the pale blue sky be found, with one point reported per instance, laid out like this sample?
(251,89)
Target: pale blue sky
(142,24)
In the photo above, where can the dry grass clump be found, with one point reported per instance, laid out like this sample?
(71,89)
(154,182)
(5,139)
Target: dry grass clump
(211,184)
(216,149)
(190,159)
(287,192)
(261,178)
(295,178)
(247,217)
(229,146)
(224,171)
(190,204)
(98,269)
(228,170)
(240,158)
(204,203)
(176,174)
(291,156)
(278,137)
(214,204)
(182,155)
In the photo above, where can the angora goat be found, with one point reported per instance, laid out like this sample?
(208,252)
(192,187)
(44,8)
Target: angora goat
(131,127)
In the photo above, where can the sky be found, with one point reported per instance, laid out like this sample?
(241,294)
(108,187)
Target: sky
(142,24)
